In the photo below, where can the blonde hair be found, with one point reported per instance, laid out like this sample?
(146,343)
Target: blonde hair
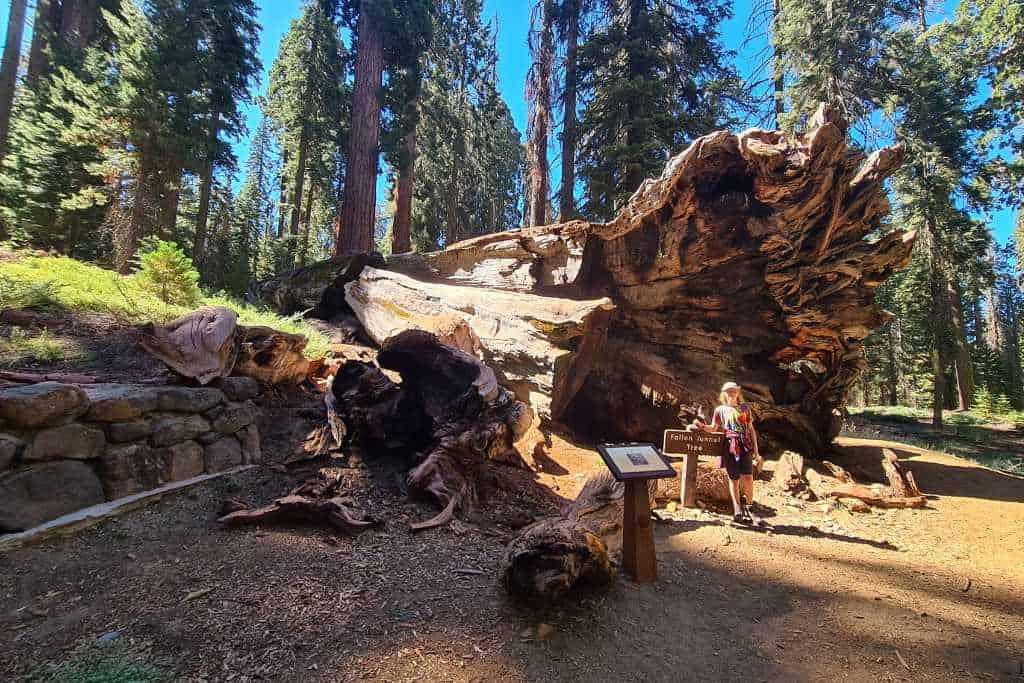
(723,398)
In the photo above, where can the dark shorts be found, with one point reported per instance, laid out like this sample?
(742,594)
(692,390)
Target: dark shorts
(734,468)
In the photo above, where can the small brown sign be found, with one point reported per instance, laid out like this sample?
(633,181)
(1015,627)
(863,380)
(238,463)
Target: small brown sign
(691,445)
(679,442)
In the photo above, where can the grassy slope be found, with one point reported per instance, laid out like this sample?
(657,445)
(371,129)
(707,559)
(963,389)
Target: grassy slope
(58,283)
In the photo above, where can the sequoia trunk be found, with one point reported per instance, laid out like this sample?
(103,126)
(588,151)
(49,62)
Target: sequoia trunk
(359,204)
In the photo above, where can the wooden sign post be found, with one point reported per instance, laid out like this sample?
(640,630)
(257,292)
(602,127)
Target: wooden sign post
(691,445)
(635,464)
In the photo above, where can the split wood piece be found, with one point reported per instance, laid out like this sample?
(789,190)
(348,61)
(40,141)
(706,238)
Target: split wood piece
(35,377)
(540,347)
(209,343)
(901,481)
(789,473)
(839,473)
(317,289)
(449,417)
(872,496)
(754,255)
(331,512)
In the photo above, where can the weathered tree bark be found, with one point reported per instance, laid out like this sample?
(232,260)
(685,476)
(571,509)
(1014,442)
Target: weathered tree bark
(901,481)
(401,232)
(9,69)
(938,295)
(962,353)
(540,116)
(318,288)
(903,491)
(448,415)
(44,29)
(789,473)
(359,204)
(540,347)
(567,200)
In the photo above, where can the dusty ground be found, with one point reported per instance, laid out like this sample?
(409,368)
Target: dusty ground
(933,594)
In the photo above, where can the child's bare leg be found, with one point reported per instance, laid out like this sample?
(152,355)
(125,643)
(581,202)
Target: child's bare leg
(734,491)
(747,483)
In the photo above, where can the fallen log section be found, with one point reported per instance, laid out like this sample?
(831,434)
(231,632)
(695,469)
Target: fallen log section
(317,500)
(754,256)
(844,486)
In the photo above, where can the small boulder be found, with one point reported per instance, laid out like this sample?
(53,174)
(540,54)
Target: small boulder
(231,417)
(10,446)
(189,399)
(119,402)
(129,468)
(45,403)
(120,432)
(74,441)
(38,494)
(181,461)
(169,430)
(239,388)
(223,454)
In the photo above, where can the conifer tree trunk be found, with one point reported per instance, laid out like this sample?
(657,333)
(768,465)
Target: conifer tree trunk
(9,69)
(938,341)
(303,248)
(401,233)
(993,333)
(300,177)
(282,209)
(205,190)
(170,196)
(360,199)
(44,28)
(78,22)
(962,361)
(140,219)
(539,173)
(634,173)
(567,205)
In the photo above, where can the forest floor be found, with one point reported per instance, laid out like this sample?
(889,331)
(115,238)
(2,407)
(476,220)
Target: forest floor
(823,594)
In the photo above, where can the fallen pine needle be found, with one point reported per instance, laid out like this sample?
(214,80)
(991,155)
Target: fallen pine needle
(902,661)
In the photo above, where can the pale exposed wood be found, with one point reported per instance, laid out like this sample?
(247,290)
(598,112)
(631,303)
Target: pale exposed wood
(789,472)
(901,482)
(541,347)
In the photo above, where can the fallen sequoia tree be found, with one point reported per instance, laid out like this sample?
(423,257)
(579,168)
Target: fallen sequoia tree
(754,256)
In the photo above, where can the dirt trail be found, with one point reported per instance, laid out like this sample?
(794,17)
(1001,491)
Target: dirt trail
(879,596)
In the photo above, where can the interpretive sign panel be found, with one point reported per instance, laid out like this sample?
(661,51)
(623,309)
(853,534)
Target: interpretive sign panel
(635,461)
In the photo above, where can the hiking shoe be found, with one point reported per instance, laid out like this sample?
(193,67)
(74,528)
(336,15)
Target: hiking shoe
(740,519)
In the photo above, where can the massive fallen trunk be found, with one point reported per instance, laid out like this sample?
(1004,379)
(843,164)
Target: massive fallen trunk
(754,257)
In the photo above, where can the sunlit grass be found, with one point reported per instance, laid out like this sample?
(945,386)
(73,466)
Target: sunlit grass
(22,347)
(60,283)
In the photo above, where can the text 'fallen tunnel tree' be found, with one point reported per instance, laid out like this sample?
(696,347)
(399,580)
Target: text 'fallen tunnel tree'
(754,257)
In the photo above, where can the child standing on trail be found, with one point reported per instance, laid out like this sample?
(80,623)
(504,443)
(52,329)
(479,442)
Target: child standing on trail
(735,418)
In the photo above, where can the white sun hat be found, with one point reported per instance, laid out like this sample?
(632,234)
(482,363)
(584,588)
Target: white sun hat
(729,385)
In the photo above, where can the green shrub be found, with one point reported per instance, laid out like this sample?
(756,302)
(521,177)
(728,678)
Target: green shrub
(167,272)
(36,295)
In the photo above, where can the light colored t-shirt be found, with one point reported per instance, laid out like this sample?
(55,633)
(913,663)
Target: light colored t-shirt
(733,418)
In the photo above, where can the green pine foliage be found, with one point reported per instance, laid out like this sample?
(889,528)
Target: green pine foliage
(654,76)
(167,272)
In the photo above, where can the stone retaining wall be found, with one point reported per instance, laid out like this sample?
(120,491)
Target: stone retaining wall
(64,447)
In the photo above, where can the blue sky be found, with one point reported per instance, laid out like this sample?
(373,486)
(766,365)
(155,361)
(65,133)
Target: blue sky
(512,17)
